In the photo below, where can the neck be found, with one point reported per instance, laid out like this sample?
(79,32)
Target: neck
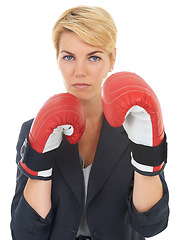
(93,109)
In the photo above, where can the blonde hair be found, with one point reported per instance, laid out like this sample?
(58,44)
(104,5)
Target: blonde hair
(93,25)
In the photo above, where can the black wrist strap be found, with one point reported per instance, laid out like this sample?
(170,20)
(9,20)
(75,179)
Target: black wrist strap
(34,160)
(35,165)
(151,156)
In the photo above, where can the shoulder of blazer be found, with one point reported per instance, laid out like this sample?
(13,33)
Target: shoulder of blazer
(26,128)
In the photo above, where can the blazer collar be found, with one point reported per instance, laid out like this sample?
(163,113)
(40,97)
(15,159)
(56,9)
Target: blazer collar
(111,145)
(67,160)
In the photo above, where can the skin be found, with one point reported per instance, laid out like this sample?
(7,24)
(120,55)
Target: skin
(84,68)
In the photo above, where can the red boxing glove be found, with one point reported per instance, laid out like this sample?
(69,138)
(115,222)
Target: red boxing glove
(61,114)
(127,99)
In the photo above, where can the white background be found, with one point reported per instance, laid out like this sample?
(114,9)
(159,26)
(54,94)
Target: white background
(29,74)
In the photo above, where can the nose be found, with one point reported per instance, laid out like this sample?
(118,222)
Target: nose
(80,69)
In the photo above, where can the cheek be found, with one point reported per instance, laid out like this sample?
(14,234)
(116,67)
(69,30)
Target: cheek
(102,71)
(65,70)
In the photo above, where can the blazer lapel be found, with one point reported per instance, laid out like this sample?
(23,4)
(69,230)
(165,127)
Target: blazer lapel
(112,144)
(68,162)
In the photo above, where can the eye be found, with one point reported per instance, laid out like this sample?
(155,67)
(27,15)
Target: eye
(94,58)
(68,58)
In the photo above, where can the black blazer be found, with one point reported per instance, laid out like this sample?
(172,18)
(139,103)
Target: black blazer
(109,209)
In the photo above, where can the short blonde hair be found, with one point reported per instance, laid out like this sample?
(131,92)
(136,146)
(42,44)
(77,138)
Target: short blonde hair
(93,25)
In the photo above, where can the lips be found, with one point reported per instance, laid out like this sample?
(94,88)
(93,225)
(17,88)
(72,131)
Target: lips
(81,85)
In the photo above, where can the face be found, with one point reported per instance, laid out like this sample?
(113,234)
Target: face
(83,66)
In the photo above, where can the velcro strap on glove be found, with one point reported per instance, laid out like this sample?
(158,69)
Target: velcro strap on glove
(149,160)
(35,165)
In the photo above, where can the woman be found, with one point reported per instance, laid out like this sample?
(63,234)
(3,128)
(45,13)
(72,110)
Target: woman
(88,190)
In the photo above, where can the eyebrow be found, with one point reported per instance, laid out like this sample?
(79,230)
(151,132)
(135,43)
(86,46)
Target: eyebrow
(91,53)
(64,51)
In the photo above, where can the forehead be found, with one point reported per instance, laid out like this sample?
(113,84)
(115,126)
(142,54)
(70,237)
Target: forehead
(70,41)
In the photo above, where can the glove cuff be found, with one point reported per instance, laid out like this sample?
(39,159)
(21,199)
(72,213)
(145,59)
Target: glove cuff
(35,165)
(147,160)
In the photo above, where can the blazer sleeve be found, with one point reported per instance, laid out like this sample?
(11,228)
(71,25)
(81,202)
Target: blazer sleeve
(25,222)
(155,220)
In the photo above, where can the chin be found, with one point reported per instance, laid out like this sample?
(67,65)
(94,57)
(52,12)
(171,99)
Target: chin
(81,96)
(87,98)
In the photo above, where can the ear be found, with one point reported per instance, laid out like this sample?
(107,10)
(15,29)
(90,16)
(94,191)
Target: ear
(57,58)
(113,59)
